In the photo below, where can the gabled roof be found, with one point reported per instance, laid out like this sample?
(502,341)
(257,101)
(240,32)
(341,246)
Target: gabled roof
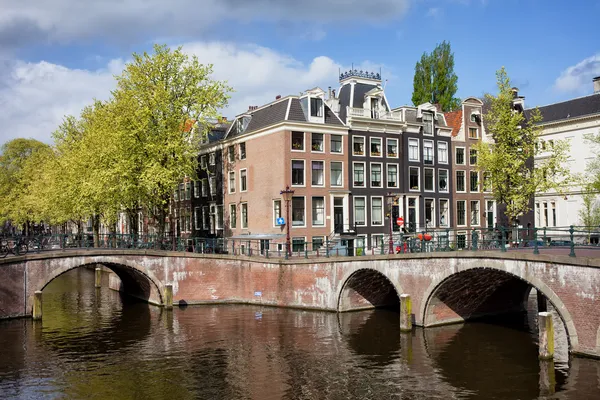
(579,107)
(454,120)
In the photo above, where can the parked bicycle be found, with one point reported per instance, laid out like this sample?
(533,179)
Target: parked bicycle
(18,247)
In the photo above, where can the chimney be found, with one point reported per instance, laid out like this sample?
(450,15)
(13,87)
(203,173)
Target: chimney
(596,85)
(515,92)
(333,93)
(329,93)
(277,97)
(252,108)
(438,107)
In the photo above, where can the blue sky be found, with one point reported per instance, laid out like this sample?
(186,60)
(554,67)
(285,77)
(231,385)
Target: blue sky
(57,55)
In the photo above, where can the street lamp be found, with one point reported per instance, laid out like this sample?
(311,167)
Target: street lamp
(287,196)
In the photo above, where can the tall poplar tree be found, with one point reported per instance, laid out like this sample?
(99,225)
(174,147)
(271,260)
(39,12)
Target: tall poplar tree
(434,80)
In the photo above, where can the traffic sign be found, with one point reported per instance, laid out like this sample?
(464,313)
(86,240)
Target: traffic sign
(280,221)
(400,221)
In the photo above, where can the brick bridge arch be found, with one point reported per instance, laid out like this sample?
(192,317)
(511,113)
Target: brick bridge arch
(366,288)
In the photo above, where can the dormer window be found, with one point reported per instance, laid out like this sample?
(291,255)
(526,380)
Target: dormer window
(427,124)
(316,107)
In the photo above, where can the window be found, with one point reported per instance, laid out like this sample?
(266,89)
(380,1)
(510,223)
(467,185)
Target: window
(297,244)
(336,144)
(176,195)
(188,190)
(376,147)
(487,181)
(473,118)
(205,218)
(196,189)
(442,152)
(474,186)
(376,211)
(358,146)
(427,152)
(359,211)
(491,213)
(244,207)
(472,156)
(474,213)
(181,192)
(318,211)
(203,162)
(375,175)
(392,176)
(392,148)
(460,181)
(413,178)
(473,134)
(188,220)
(460,156)
(317,142)
(318,172)
(298,211)
(219,217)
(413,149)
(212,158)
(242,151)
(461,240)
(204,188)
(412,214)
(359,174)
(298,141)
(430,213)
(197,215)
(427,124)
(231,153)
(377,241)
(316,107)
(444,218)
(336,174)
(461,213)
(212,181)
(442,180)
(297,172)
(232,216)
(317,242)
(243,180)
(553,208)
(276,211)
(232,182)
(429,180)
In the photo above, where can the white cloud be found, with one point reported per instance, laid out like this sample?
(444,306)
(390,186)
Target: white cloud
(34,97)
(434,12)
(66,21)
(578,78)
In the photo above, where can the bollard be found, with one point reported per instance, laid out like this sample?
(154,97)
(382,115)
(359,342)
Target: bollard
(405,313)
(98,280)
(37,305)
(546,336)
(572,253)
(168,302)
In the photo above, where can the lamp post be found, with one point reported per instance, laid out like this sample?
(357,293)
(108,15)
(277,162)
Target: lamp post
(287,196)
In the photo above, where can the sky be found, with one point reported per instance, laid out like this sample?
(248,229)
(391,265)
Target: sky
(56,56)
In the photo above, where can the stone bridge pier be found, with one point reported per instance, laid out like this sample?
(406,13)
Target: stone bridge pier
(445,288)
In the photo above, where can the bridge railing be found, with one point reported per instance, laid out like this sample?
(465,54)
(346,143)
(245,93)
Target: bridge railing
(570,240)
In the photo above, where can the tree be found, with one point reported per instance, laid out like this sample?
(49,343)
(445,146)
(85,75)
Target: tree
(589,215)
(434,80)
(510,162)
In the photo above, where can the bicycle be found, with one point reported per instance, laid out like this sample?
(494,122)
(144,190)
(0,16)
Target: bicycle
(18,248)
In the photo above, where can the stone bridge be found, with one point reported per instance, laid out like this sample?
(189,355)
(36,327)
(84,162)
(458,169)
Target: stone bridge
(445,287)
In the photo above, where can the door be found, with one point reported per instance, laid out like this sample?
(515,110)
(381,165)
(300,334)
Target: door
(338,214)
(264,246)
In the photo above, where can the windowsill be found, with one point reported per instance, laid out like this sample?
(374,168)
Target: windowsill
(319,186)
(410,160)
(298,150)
(294,185)
(298,226)
(358,154)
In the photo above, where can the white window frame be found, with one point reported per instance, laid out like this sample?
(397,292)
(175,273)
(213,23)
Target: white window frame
(233,206)
(231,153)
(242,206)
(417,147)
(382,211)
(292,213)
(311,173)
(478,182)
(212,158)
(447,223)
(433,221)
(364,146)
(205,188)
(418,189)
(196,220)
(342,144)
(464,149)
(322,142)
(432,121)
(440,190)
(354,210)
(381,142)
(364,164)
(397,175)
(387,141)
(212,185)
(303,142)
(456,180)
(478,212)
(243,154)
(381,175)
(303,172)
(469,133)
(232,187)
(196,189)
(275,216)
(331,175)
(241,180)
(458,214)
(445,153)
(312,211)
(434,181)
(476,156)
(203,163)
(430,144)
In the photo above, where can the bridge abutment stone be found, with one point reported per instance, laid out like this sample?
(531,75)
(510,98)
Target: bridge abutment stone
(37,305)
(98,277)
(405,313)
(168,296)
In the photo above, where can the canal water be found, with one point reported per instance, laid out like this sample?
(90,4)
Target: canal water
(97,344)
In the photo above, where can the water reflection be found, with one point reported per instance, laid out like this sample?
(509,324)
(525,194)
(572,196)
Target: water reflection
(97,344)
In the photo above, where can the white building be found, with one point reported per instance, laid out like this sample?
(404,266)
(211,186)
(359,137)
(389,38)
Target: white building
(569,120)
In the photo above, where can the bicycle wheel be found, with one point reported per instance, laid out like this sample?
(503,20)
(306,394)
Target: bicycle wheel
(3,251)
(21,249)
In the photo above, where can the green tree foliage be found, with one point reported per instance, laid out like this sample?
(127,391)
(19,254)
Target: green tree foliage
(434,80)
(589,215)
(509,161)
